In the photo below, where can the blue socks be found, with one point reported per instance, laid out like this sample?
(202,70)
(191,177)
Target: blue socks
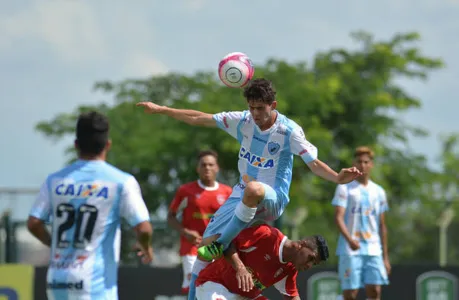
(192,291)
(242,216)
(197,267)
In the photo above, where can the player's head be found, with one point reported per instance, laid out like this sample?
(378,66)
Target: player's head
(207,166)
(92,135)
(363,160)
(261,97)
(311,251)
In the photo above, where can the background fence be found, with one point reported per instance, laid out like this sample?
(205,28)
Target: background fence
(26,282)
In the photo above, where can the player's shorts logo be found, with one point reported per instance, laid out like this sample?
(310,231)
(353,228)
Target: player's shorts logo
(273,147)
(56,285)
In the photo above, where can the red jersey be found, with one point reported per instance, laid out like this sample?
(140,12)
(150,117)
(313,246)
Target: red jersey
(260,249)
(197,203)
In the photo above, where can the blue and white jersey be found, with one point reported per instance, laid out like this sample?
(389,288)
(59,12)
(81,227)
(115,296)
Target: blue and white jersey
(266,156)
(86,202)
(364,206)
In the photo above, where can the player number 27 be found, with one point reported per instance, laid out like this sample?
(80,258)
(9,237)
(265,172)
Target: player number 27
(83,218)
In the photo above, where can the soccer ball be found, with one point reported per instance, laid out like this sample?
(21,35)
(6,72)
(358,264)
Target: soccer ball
(235,70)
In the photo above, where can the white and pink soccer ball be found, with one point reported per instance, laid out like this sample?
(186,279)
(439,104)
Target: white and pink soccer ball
(235,70)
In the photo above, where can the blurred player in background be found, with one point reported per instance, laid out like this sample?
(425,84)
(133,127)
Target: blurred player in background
(86,201)
(362,245)
(259,257)
(197,202)
(268,142)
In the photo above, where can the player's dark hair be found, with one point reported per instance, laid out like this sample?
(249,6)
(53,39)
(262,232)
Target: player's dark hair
(203,153)
(92,133)
(318,244)
(260,90)
(322,247)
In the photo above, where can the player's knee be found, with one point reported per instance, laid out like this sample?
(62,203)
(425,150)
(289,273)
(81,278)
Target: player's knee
(350,294)
(373,291)
(254,192)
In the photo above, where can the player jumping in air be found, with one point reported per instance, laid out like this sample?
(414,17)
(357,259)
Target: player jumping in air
(196,201)
(268,140)
(85,202)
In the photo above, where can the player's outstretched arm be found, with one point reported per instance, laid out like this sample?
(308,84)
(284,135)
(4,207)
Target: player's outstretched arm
(189,116)
(309,153)
(323,170)
(38,229)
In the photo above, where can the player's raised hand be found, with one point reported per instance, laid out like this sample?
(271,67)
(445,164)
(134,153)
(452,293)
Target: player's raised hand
(348,174)
(150,107)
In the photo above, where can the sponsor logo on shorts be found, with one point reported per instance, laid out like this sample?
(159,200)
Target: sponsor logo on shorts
(60,285)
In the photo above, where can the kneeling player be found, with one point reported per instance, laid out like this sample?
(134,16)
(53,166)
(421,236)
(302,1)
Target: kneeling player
(259,257)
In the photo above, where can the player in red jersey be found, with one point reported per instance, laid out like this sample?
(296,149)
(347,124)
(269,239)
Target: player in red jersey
(260,256)
(196,201)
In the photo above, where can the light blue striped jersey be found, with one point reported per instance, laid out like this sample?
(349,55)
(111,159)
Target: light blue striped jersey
(364,206)
(85,202)
(266,156)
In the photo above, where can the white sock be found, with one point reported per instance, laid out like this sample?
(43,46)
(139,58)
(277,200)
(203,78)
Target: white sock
(245,213)
(198,266)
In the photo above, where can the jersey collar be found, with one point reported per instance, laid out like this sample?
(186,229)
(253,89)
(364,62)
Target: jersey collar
(208,188)
(281,249)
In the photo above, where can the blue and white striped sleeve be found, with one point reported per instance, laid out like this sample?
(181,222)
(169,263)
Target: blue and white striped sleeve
(229,121)
(299,145)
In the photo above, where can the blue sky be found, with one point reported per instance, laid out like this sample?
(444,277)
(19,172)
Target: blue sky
(52,51)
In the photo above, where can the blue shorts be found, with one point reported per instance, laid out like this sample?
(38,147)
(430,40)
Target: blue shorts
(356,271)
(268,210)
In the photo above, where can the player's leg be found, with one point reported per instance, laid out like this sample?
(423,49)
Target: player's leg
(216,225)
(374,276)
(350,274)
(243,214)
(187,266)
(212,291)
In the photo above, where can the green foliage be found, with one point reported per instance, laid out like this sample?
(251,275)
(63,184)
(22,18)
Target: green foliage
(344,99)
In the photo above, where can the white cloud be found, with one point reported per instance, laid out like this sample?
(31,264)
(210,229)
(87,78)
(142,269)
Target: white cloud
(70,27)
(140,65)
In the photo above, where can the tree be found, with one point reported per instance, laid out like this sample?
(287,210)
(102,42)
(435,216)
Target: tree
(343,99)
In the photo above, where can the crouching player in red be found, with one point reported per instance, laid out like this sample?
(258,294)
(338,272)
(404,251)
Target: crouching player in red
(259,257)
